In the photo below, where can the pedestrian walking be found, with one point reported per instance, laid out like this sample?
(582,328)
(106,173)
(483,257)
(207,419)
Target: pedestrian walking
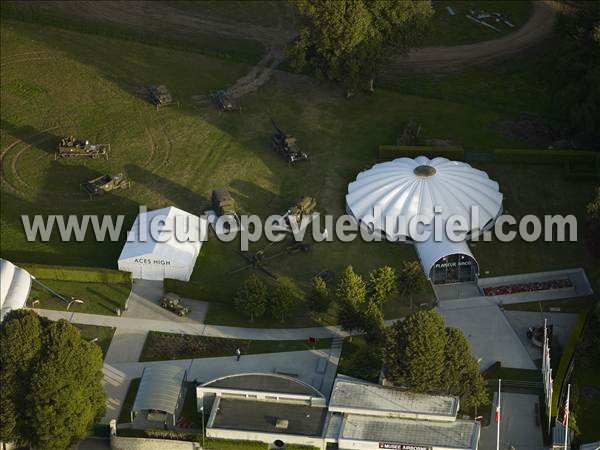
(238,354)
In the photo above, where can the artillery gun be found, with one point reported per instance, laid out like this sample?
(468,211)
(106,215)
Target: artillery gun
(305,206)
(172,302)
(72,147)
(258,259)
(286,145)
(223,202)
(224,102)
(160,96)
(104,184)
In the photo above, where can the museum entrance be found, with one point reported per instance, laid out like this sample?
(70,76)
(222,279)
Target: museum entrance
(456,268)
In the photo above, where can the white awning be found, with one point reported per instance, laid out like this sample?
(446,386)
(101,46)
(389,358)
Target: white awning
(160,389)
(430,252)
(15,284)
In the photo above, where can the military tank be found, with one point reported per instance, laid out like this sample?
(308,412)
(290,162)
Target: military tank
(224,102)
(172,302)
(104,184)
(303,207)
(160,95)
(72,147)
(223,202)
(286,145)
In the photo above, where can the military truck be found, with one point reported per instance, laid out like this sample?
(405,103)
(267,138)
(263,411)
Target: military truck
(223,203)
(286,145)
(172,302)
(104,184)
(160,96)
(72,147)
(224,102)
(305,206)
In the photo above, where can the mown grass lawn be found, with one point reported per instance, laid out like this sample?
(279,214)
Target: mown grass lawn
(99,298)
(447,30)
(102,335)
(164,346)
(57,82)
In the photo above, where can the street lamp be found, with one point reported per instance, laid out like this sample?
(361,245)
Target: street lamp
(202,411)
(75,300)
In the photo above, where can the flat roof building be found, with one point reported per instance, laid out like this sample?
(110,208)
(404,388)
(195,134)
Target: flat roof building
(360,415)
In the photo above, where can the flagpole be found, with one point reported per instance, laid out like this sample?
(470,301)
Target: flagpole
(498,416)
(567,406)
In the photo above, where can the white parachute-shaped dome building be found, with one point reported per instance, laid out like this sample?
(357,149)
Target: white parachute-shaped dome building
(385,198)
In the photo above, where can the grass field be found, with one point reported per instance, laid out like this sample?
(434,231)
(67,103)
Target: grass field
(449,30)
(99,298)
(57,82)
(103,335)
(163,346)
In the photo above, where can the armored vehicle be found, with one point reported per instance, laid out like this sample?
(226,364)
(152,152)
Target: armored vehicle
(304,206)
(160,95)
(286,145)
(172,302)
(105,183)
(223,202)
(72,147)
(224,101)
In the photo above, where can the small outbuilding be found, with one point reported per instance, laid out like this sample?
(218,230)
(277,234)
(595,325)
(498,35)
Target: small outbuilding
(15,285)
(168,252)
(160,393)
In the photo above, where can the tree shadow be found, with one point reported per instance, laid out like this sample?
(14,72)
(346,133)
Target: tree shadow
(43,140)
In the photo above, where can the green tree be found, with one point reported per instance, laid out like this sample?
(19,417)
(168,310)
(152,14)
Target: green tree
(351,294)
(411,280)
(461,375)
(415,351)
(592,225)
(423,355)
(350,41)
(251,297)
(55,393)
(382,285)
(320,298)
(576,75)
(371,322)
(281,301)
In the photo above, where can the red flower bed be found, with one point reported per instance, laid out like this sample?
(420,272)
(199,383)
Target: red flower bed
(528,287)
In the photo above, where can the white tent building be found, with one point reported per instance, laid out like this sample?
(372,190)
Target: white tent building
(169,252)
(15,285)
(407,188)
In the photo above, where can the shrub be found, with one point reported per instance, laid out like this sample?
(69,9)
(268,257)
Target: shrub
(81,274)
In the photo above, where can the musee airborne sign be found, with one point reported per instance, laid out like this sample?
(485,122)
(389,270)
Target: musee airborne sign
(395,446)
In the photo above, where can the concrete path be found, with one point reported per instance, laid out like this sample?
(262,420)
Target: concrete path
(520,321)
(518,425)
(490,335)
(126,346)
(194,328)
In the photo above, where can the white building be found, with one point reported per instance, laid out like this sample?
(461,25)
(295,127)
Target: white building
(278,410)
(15,285)
(169,252)
(429,189)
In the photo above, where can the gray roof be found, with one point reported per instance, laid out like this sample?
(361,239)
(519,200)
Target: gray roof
(590,446)
(160,388)
(251,415)
(264,382)
(458,434)
(350,395)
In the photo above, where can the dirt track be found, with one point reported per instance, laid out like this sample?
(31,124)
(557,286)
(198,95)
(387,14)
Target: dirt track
(161,18)
(451,59)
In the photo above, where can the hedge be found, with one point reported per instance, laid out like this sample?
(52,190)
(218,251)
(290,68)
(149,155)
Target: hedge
(565,360)
(211,443)
(81,274)
(541,156)
(186,289)
(396,151)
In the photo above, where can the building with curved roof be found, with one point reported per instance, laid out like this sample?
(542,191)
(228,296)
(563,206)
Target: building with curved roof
(15,285)
(387,197)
